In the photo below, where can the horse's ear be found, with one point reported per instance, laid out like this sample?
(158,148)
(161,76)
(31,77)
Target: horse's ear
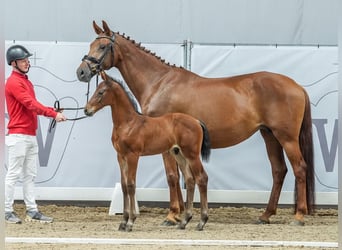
(106,28)
(103,75)
(97,29)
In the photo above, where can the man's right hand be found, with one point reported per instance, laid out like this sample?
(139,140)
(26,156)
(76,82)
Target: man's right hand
(60,117)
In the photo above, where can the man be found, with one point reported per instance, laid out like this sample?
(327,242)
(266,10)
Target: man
(23,109)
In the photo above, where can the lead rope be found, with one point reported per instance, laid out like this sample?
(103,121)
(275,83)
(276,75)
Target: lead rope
(58,108)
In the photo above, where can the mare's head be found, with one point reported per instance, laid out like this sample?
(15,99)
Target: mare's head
(101,53)
(102,96)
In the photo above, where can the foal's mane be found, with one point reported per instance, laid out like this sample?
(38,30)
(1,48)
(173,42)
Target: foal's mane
(138,45)
(127,91)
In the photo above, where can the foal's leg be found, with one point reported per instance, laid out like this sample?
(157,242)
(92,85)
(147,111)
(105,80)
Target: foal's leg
(123,170)
(176,198)
(201,179)
(190,190)
(279,170)
(132,164)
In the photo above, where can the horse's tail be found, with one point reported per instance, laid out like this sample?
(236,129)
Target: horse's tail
(206,145)
(306,147)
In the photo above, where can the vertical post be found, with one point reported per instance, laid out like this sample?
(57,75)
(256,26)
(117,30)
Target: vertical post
(2,128)
(187,54)
(340,126)
(187,44)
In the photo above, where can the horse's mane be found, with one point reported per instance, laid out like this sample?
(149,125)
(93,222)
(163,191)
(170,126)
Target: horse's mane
(129,94)
(146,50)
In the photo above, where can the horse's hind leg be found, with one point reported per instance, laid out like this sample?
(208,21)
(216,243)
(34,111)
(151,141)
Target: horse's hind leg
(299,166)
(176,198)
(279,170)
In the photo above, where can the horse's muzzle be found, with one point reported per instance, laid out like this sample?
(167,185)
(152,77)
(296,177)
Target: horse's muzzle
(83,73)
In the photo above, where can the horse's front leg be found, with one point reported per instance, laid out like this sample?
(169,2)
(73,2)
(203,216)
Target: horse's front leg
(176,198)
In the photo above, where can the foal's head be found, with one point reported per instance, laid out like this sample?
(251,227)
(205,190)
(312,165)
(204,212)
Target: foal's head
(102,96)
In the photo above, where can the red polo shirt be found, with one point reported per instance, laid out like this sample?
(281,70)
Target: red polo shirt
(22,105)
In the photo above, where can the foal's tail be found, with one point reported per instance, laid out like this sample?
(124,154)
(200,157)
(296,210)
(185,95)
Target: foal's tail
(206,145)
(306,147)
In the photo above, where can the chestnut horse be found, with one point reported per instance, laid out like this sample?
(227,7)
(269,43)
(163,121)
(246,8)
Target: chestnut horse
(233,108)
(134,135)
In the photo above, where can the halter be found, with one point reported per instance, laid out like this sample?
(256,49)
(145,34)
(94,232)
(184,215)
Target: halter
(97,63)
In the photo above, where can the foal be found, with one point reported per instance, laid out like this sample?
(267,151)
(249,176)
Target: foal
(135,135)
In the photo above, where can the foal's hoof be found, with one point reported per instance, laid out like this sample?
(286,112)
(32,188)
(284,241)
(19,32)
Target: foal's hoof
(181,226)
(297,223)
(169,223)
(122,227)
(262,222)
(199,227)
(202,223)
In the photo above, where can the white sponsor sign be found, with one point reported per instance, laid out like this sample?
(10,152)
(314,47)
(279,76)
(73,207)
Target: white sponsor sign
(79,154)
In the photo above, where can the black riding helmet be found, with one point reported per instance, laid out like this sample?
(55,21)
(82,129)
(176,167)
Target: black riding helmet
(17,52)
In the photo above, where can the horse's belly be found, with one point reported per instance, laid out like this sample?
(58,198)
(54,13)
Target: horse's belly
(226,138)
(223,130)
(229,122)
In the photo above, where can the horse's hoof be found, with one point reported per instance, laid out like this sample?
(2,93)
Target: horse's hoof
(262,222)
(169,223)
(297,223)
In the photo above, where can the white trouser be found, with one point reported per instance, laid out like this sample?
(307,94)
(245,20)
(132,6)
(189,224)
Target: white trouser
(22,162)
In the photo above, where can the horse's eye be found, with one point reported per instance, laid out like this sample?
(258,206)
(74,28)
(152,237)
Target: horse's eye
(102,47)
(101,92)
